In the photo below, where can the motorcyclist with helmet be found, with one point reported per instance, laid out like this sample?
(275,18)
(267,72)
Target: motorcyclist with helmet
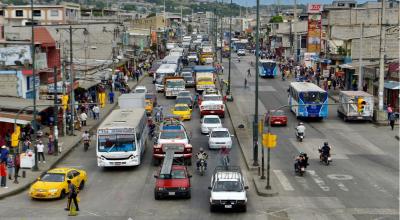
(301,161)
(201,155)
(300,129)
(324,151)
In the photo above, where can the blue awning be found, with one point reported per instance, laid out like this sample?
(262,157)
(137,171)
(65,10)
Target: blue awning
(394,85)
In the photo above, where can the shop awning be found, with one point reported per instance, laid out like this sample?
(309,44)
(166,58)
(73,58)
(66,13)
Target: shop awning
(393,85)
(22,119)
(20,103)
(86,84)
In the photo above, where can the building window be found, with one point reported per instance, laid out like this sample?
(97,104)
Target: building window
(37,13)
(340,4)
(19,13)
(54,13)
(1,13)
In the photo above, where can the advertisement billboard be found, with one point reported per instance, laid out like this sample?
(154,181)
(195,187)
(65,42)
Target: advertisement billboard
(314,33)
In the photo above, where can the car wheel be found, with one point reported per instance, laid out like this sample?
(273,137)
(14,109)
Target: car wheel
(82,185)
(62,194)
(244,209)
(212,208)
(156,196)
(189,195)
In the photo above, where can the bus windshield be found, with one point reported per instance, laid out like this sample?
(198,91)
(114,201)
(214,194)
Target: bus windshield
(313,97)
(268,65)
(116,143)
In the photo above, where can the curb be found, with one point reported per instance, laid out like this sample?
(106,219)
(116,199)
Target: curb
(61,157)
(272,193)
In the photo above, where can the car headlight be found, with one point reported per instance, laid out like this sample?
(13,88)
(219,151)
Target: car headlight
(161,188)
(53,190)
(182,188)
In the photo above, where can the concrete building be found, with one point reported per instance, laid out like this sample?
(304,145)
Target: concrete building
(42,14)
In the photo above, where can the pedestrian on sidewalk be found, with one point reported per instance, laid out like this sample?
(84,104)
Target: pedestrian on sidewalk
(111,97)
(392,119)
(40,149)
(50,143)
(248,73)
(17,164)
(245,82)
(27,145)
(10,166)
(72,195)
(4,153)
(389,111)
(3,174)
(96,111)
(83,116)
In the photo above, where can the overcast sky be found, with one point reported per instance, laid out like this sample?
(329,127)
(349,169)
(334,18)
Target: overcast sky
(285,2)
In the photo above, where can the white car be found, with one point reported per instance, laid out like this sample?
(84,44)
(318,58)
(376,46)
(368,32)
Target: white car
(209,122)
(140,89)
(241,52)
(219,137)
(228,189)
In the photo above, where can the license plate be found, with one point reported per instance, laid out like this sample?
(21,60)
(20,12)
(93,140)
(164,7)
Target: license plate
(278,122)
(171,193)
(228,206)
(211,111)
(359,117)
(40,195)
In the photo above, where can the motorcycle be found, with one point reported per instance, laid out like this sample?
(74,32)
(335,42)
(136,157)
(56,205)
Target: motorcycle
(325,158)
(86,145)
(300,136)
(299,169)
(202,166)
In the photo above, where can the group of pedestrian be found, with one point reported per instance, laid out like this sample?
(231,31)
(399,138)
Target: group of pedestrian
(9,166)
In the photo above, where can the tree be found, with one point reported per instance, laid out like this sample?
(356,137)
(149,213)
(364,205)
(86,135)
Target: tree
(276,19)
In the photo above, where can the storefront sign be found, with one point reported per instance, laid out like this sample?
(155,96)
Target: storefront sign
(314,8)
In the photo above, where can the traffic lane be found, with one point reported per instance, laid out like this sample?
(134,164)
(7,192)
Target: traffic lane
(198,205)
(286,133)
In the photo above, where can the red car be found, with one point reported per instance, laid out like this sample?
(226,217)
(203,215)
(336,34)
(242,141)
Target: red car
(175,184)
(278,117)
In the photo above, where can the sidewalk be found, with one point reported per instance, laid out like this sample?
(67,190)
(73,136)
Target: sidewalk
(67,143)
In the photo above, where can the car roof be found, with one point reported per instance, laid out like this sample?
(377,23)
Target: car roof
(211,116)
(219,129)
(61,170)
(228,176)
(140,87)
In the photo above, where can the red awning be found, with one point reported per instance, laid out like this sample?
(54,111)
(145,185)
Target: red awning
(43,36)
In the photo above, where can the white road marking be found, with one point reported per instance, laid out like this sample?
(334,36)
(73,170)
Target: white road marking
(340,177)
(318,180)
(283,180)
(303,182)
(342,186)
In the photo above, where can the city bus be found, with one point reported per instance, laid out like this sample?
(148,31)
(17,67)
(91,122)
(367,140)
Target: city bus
(307,100)
(267,68)
(121,138)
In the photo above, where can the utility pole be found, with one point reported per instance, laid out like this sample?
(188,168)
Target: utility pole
(228,91)
(34,124)
(360,74)
(382,58)
(295,31)
(221,35)
(255,122)
(64,128)
(55,109)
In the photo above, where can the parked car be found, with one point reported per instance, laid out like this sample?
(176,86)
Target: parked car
(53,183)
(175,184)
(209,122)
(219,137)
(278,117)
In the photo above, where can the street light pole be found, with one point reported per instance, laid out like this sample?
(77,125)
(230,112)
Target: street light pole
(221,35)
(228,91)
(55,126)
(34,124)
(255,122)
(71,78)
(382,58)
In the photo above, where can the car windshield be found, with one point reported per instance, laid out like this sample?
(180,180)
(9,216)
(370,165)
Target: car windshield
(175,83)
(181,108)
(220,134)
(212,121)
(228,186)
(172,135)
(53,177)
(175,174)
(140,90)
(278,113)
(212,98)
(148,96)
(313,97)
(116,143)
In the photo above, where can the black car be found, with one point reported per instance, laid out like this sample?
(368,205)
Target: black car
(184,100)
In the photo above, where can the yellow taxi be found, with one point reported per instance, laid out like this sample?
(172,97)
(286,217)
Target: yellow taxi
(183,111)
(149,107)
(53,184)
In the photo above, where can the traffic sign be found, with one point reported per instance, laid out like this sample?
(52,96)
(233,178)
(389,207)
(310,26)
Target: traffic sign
(269,140)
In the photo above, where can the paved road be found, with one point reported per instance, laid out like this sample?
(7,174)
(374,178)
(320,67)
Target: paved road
(361,183)
(128,192)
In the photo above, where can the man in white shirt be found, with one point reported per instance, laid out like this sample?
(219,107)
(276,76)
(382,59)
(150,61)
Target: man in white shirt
(96,111)
(40,150)
(83,118)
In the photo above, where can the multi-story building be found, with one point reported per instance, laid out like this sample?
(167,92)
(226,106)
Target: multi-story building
(42,14)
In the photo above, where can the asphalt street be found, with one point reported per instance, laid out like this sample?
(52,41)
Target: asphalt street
(361,183)
(128,192)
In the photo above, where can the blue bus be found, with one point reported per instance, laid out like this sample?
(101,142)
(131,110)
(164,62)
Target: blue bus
(268,68)
(307,100)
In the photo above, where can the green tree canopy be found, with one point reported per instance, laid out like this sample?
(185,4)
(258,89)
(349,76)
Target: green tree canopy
(276,19)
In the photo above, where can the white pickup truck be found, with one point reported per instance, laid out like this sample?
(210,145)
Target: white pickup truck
(228,189)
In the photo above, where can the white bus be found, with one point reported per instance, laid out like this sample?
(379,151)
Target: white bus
(121,138)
